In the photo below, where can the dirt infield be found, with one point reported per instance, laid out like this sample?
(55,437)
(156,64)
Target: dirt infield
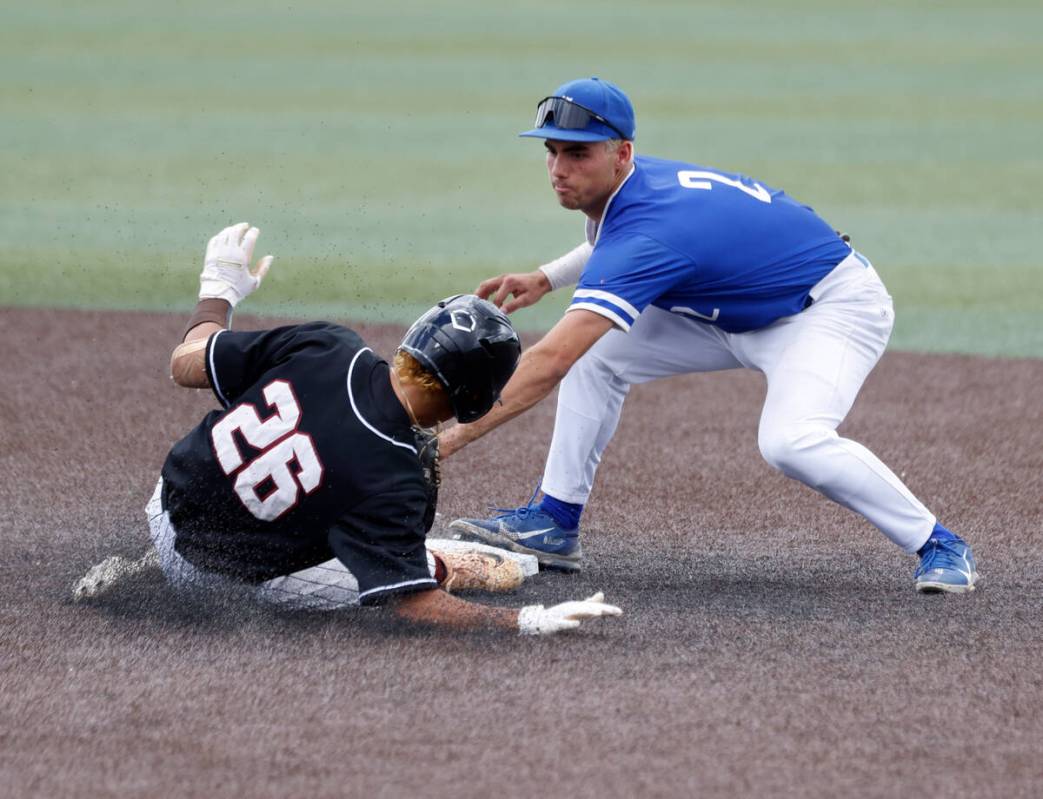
(772,644)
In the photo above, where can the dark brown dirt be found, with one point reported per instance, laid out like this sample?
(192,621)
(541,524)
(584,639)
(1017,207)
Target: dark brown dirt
(772,644)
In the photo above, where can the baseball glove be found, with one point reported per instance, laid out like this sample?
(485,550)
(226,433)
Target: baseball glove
(480,571)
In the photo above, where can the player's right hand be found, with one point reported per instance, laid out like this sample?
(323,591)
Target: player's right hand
(526,288)
(226,268)
(538,620)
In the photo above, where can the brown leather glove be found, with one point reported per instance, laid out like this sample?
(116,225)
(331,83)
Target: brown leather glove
(479,571)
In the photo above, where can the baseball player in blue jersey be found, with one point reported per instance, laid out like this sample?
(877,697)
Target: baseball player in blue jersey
(686,268)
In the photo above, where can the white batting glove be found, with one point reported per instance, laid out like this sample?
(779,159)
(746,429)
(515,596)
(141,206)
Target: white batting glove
(226,268)
(538,620)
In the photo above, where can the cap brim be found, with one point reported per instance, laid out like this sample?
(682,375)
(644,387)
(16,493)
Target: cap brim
(564,134)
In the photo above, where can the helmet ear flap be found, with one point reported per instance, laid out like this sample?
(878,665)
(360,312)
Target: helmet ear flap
(470,346)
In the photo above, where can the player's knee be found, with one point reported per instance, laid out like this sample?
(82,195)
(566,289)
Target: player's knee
(791,448)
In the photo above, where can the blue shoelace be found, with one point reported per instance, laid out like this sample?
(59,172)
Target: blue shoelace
(942,555)
(523,512)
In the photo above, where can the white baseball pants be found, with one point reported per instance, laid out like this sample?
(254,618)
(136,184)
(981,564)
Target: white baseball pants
(815,363)
(328,586)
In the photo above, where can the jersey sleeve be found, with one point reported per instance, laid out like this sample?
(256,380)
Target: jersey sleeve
(624,275)
(382,544)
(235,359)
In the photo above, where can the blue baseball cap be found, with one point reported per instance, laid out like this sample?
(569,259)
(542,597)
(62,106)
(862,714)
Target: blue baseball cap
(588,109)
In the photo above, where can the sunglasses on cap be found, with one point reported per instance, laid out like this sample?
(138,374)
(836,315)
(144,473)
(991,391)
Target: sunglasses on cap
(568,115)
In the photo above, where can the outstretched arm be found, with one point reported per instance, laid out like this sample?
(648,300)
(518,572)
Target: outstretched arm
(540,369)
(226,279)
(439,608)
(436,607)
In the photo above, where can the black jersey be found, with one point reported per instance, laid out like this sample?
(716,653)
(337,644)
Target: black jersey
(313,457)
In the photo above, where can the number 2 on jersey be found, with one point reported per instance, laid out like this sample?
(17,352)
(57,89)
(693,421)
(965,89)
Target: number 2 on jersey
(280,443)
(699,179)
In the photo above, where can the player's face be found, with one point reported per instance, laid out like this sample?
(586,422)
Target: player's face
(584,174)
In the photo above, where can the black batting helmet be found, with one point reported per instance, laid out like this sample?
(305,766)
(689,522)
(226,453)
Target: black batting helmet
(469,345)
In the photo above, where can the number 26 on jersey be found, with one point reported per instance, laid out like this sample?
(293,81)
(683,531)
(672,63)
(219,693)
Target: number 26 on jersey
(267,486)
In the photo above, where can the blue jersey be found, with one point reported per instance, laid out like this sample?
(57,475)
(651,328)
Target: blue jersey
(717,247)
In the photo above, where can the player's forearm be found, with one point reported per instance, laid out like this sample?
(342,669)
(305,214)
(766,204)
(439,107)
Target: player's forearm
(211,314)
(565,271)
(188,360)
(436,607)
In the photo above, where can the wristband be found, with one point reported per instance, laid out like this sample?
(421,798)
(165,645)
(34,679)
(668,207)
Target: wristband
(565,271)
(210,310)
(529,618)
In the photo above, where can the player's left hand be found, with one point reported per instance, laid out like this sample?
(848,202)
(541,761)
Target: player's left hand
(538,620)
(226,268)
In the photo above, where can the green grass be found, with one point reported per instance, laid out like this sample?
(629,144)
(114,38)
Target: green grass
(375,144)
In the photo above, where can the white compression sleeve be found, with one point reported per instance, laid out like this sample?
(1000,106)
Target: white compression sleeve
(565,271)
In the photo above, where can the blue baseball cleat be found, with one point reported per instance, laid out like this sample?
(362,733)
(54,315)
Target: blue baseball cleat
(946,565)
(528,530)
